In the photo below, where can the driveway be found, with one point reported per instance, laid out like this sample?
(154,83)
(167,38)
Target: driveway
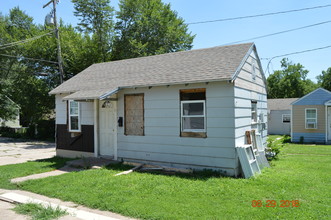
(14,151)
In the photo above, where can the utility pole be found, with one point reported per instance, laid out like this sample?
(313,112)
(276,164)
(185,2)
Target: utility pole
(57,35)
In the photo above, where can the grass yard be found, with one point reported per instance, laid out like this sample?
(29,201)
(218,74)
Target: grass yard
(9,172)
(302,172)
(39,212)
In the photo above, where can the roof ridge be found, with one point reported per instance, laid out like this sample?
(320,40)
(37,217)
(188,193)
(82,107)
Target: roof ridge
(175,52)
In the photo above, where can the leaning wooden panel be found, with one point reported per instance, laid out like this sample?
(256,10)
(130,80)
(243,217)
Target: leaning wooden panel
(134,114)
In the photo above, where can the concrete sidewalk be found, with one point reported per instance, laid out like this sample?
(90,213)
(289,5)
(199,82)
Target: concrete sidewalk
(72,166)
(14,151)
(63,170)
(75,211)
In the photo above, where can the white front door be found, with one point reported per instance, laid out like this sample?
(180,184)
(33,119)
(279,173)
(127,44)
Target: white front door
(329,123)
(107,127)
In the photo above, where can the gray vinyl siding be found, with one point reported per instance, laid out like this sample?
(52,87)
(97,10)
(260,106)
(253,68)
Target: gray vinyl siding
(162,143)
(276,125)
(247,90)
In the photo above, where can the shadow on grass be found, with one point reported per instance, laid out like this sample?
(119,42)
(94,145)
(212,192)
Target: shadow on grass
(286,139)
(56,162)
(195,175)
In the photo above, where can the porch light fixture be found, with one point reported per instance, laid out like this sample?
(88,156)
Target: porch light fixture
(106,104)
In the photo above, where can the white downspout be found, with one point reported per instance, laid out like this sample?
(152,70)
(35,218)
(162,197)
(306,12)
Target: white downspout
(115,136)
(96,127)
(291,123)
(326,124)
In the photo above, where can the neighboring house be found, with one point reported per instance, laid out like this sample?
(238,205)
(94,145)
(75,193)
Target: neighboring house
(14,123)
(184,109)
(279,116)
(311,117)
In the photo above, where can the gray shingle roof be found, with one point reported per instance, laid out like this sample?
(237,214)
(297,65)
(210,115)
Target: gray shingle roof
(202,65)
(280,104)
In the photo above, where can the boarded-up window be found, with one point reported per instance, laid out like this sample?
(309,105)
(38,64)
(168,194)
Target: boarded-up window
(134,114)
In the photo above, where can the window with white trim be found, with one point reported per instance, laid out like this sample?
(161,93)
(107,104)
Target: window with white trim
(193,112)
(193,116)
(311,118)
(286,118)
(74,117)
(254,111)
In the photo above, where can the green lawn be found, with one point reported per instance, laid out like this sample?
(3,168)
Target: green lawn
(39,212)
(9,172)
(302,173)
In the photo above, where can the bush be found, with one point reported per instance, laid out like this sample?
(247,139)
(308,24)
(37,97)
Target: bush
(274,146)
(44,130)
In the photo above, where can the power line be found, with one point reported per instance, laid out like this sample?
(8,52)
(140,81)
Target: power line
(281,32)
(12,44)
(293,53)
(28,58)
(260,15)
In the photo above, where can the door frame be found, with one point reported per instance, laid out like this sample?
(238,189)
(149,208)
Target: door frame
(97,129)
(328,121)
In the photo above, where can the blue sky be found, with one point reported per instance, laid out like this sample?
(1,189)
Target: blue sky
(219,33)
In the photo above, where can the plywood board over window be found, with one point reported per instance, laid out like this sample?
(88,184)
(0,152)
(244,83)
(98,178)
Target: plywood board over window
(134,114)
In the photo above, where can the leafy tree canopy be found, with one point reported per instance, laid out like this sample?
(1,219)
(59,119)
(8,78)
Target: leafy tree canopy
(325,79)
(148,27)
(289,82)
(96,18)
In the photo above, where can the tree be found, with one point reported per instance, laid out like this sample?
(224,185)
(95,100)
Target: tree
(21,79)
(290,82)
(325,79)
(96,18)
(148,27)
(8,108)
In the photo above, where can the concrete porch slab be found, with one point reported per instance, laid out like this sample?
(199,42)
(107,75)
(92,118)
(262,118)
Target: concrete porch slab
(91,162)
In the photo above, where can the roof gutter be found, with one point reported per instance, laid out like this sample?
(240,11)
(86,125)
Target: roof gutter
(104,96)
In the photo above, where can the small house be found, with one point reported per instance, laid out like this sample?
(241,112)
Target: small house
(311,117)
(279,116)
(15,122)
(186,109)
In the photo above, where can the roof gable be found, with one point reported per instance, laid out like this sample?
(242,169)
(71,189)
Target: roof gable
(202,65)
(316,97)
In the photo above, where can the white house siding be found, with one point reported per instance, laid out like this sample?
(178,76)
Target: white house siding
(276,125)
(60,109)
(162,143)
(86,111)
(65,146)
(246,90)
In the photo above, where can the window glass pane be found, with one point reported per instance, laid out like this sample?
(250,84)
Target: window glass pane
(193,123)
(311,120)
(193,109)
(311,125)
(286,118)
(311,113)
(73,104)
(74,123)
(73,111)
